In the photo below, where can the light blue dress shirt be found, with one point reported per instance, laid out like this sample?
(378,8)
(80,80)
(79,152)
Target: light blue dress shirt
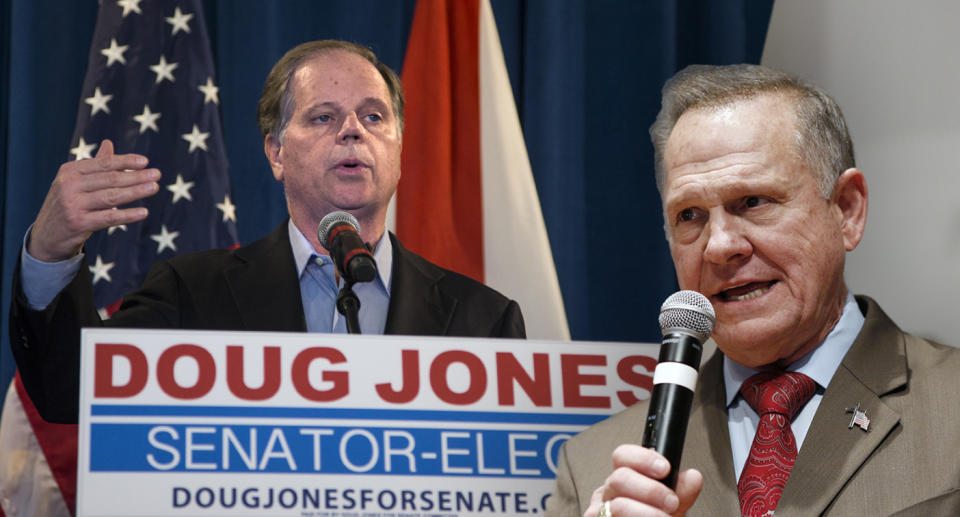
(319,289)
(820,365)
(43,280)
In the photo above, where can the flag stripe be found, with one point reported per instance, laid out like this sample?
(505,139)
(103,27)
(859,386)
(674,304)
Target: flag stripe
(438,201)
(517,254)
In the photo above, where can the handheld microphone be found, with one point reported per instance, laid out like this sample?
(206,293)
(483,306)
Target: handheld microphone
(339,234)
(686,320)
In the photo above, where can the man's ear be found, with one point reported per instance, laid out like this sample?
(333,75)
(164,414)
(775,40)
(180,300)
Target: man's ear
(271,148)
(850,197)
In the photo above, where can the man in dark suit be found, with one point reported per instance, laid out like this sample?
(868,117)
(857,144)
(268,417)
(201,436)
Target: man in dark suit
(332,119)
(815,402)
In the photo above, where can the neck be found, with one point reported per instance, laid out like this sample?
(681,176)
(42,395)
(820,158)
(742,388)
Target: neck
(371,230)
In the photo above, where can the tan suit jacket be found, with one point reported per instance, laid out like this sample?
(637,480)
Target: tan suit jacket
(908,463)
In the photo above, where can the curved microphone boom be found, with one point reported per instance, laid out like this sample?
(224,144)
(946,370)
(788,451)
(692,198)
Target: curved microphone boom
(686,320)
(339,234)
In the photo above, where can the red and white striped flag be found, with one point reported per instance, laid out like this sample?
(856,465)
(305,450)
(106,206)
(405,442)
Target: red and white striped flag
(467,200)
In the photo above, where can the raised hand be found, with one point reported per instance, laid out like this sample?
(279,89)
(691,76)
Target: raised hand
(84,198)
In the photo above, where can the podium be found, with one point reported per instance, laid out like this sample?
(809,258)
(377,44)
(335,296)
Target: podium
(266,423)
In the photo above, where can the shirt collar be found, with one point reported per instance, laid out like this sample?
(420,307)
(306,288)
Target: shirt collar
(820,364)
(303,250)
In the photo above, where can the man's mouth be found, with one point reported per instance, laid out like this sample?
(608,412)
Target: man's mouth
(746,291)
(350,164)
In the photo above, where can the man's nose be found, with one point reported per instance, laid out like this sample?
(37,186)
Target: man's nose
(726,240)
(351,129)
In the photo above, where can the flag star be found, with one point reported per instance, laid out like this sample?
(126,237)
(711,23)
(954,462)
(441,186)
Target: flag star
(196,139)
(210,92)
(147,120)
(112,229)
(229,210)
(164,70)
(164,239)
(98,102)
(179,21)
(83,150)
(180,189)
(115,52)
(101,270)
(130,6)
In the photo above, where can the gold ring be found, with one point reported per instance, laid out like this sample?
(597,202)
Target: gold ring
(605,510)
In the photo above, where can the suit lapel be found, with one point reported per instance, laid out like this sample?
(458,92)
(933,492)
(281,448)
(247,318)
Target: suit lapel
(265,286)
(417,305)
(707,447)
(832,452)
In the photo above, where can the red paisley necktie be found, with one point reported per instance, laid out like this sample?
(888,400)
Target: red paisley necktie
(777,397)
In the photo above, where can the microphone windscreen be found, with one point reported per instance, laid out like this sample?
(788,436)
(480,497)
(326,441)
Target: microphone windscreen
(330,221)
(688,312)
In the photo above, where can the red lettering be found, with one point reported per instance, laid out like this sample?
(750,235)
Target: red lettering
(103,385)
(438,377)
(536,387)
(627,373)
(572,380)
(271,374)
(301,375)
(410,367)
(206,371)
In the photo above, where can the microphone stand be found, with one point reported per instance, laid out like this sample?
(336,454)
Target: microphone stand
(348,305)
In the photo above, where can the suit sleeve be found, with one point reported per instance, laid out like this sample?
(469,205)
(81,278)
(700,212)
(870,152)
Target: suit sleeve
(511,323)
(564,501)
(46,344)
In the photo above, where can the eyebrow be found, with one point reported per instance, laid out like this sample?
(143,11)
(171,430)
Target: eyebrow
(367,101)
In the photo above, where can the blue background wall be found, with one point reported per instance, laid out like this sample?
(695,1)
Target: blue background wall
(586,77)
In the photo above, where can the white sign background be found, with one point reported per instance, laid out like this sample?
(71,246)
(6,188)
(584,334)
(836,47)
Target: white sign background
(164,429)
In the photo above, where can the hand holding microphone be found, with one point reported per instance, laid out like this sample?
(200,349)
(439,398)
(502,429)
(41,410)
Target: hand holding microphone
(641,480)
(686,321)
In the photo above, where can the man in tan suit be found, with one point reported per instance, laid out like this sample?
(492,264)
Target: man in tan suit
(762,200)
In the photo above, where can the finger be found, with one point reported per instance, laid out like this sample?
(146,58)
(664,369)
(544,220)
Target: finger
(113,162)
(106,149)
(623,506)
(116,179)
(689,484)
(627,483)
(645,461)
(114,197)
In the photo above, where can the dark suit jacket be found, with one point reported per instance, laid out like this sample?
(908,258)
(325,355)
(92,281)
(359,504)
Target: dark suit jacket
(251,288)
(908,461)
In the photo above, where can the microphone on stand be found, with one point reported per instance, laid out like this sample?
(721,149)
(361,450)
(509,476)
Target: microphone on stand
(339,234)
(686,320)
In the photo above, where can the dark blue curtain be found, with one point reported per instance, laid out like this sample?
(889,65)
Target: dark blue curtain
(586,76)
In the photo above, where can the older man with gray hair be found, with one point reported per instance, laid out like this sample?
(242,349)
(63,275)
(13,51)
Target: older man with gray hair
(331,115)
(815,403)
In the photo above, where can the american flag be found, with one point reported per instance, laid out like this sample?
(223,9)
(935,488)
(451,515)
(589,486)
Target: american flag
(151,89)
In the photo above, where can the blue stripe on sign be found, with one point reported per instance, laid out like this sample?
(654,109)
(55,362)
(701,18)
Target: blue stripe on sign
(346,413)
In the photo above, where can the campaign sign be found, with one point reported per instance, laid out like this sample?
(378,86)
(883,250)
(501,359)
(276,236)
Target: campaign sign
(199,423)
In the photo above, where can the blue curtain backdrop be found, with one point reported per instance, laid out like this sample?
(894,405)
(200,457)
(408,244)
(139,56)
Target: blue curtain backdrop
(586,76)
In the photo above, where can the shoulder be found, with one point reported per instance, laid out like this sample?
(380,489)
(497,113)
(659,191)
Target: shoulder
(451,282)
(274,244)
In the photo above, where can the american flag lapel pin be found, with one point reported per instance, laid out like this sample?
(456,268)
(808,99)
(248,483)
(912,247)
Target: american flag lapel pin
(859,418)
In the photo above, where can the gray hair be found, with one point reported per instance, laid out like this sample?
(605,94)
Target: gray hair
(276,102)
(822,139)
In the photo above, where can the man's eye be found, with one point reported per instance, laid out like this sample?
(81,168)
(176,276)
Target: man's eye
(322,118)
(686,215)
(753,201)
(374,117)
